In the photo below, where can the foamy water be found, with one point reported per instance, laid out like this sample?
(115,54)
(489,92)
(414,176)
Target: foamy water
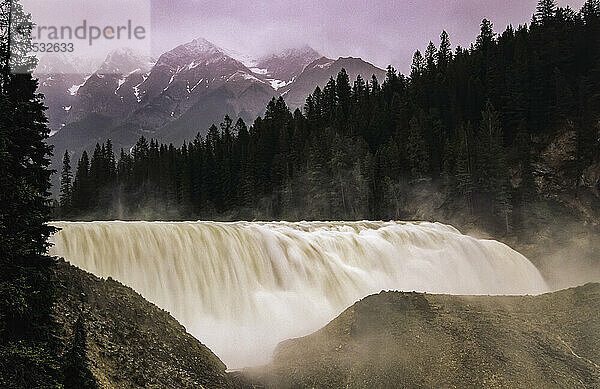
(242,287)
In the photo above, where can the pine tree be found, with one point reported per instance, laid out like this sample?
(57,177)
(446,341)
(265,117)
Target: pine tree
(591,11)
(124,166)
(109,158)
(431,57)
(139,156)
(310,109)
(417,150)
(374,86)
(329,102)
(76,372)
(66,184)
(344,94)
(546,10)
(80,199)
(464,166)
(418,65)
(492,166)
(444,54)
(313,106)
(97,176)
(27,344)
(486,36)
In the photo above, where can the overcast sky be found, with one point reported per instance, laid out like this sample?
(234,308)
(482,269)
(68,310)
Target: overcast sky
(381,32)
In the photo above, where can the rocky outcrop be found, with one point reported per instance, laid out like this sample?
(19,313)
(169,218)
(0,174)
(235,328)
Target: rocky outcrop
(413,340)
(559,178)
(591,178)
(554,169)
(113,338)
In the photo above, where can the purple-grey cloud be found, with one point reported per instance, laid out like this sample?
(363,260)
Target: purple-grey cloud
(382,32)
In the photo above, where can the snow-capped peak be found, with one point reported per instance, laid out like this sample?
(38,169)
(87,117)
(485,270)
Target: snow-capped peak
(197,52)
(285,66)
(302,52)
(125,61)
(201,44)
(246,59)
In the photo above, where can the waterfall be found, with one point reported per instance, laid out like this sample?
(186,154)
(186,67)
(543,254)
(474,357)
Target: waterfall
(242,287)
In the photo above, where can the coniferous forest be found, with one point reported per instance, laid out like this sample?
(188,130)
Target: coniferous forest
(28,345)
(464,127)
(466,122)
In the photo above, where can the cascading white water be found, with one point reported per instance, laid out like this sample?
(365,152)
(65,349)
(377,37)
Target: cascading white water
(243,287)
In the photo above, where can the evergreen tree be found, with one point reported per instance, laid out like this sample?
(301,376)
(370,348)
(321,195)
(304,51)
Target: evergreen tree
(27,345)
(418,65)
(525,192)
(97,176)
(444,54)
(492,167)
(375,88)
(109,158)
(76,372)
(329,101)
(343,93)
(546,10)
(80,199)
(486,36)
(591,11)
(66,184)
(417,150)
(431,57)
(464,166)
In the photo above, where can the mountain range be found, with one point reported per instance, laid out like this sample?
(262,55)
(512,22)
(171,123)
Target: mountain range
(178,95)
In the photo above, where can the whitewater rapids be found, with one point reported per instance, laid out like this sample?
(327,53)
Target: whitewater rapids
(243,287)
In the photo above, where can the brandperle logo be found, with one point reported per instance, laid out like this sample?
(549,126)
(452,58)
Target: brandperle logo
(84,31)
(76,35)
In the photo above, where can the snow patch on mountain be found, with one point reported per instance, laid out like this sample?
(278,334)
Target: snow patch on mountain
(243,75)
(194,87)
(278,84)
(259,71)
(324,65)
(136,93)
(75,88)
(170,82)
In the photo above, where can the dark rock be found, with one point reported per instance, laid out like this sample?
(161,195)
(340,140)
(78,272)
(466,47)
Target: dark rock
(413,340)
(129,342)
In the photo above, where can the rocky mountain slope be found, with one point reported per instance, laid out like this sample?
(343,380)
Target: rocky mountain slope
(177,96)
(113,338)
(414,340)
(282,68)
(194,86)
(183,93)
(318,72)
(110,90)
(57,77)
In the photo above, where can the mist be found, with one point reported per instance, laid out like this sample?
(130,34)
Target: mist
(241,288)
(383,32)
